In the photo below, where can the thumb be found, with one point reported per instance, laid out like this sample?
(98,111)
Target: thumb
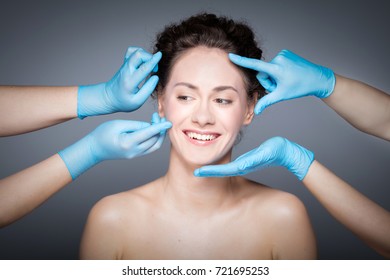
(266,81)
(268,100)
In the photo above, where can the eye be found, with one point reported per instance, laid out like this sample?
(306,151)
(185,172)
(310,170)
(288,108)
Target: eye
(222,101)
(184,98)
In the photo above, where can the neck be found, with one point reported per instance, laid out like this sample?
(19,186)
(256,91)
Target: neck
(188,192)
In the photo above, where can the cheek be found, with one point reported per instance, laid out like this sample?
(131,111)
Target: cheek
(172,112)
(233,119)
(176,113)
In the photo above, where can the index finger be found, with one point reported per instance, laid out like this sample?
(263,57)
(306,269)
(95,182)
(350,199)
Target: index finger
(252,63)
(222,170)
(146,68)
(144,134)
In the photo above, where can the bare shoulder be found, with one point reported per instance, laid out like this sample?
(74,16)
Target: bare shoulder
(117,207)
(278,208)
(263,198)
(111,220)
(286,219)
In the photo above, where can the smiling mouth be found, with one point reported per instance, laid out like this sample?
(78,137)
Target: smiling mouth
(201,136)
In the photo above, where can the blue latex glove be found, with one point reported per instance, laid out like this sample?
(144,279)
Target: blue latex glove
(276,151)
(288,76)
(118,139)
(122,93)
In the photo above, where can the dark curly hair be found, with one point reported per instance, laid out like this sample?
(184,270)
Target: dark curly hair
(210,31)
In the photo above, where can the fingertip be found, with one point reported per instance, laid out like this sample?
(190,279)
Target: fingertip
(155,118)
(158,55)
(266,101)
(200,172)
(258,110)
(233,56)
(267,84)
(163,126)
(155,59)
(150,84)
(167,124)
(261,109)
(154,79)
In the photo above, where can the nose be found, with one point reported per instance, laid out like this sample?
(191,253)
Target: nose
(202,114)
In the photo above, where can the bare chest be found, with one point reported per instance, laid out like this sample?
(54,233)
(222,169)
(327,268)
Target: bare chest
(181,237)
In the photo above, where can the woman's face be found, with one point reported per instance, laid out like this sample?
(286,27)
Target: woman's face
(206,101)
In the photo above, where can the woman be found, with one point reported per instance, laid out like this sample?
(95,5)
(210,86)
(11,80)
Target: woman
(180,216)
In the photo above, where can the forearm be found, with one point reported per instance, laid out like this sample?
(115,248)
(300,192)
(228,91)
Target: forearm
(363,106)
(363,217)
(24,108)
(26,190)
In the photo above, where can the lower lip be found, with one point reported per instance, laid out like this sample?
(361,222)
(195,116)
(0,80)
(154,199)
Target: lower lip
(200,142)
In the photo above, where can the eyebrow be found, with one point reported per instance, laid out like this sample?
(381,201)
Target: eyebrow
(217,89)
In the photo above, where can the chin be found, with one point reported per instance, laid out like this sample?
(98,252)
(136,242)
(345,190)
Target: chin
(200,159)
(198,155)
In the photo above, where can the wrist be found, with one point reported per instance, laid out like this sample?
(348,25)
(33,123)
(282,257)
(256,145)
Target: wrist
(329,81)
(300,161)
(79,157)
(90,101)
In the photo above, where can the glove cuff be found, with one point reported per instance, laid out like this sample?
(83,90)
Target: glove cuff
(78,157)
(90,101)
(330,81)
(301,160)
(307,160)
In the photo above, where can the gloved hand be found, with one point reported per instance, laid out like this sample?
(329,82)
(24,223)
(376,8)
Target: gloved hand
(276,151)
(122,93)
(288,76)
(118,139)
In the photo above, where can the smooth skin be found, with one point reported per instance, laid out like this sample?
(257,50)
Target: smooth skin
(363,106)
(25,109)
(289,76)
(181,216)
(365,218)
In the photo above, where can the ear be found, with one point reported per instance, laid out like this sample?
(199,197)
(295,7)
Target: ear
(160,101)
(250,111)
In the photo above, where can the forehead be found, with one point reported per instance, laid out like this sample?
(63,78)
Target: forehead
(206,67)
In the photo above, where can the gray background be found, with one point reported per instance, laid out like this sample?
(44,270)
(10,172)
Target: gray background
(83,42)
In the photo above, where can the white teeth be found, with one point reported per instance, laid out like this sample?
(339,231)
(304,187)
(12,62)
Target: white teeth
(202,137)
